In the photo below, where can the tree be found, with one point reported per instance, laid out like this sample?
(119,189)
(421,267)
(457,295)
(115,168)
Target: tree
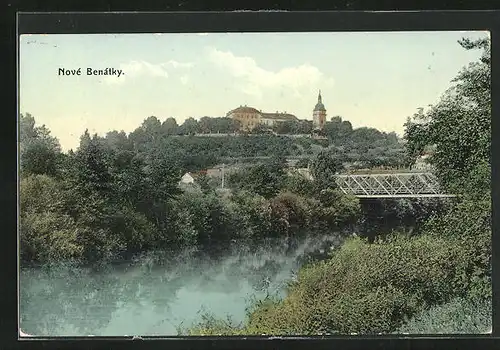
(332,128)
(189,127)
(91,167)
(305,127)
(459,127)
(265,179)
(169,126)
(323,169)
(47,232)
(302,163)
(205,125)
(151,124)
(287,127)
(39,158)
(118,141)
(40,153)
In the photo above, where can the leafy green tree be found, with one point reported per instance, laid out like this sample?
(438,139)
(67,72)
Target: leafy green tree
(287,127)
(47,232)
(205,184)
(91,167)
(265,179)
(40,153)
(205,125)
(459,126)
(189,127)
(302,163)
(298,184)
(151,124)
(208,219)
(323,169)
(119,141)
(169,126)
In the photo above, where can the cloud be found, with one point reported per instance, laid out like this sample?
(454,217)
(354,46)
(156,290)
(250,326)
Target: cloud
(298,79)
(134,69)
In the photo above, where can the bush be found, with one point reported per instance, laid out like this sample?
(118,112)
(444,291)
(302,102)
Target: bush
(56,225)
(371,288)
(291,213)
(468,224)
(47,233)
(203,218)
(48,237)
(42,193)
(338,210)
(253,213)
(134,229)
(465,219)
(297,183)
(457,316)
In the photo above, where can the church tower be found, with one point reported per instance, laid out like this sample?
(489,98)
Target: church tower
(319,114)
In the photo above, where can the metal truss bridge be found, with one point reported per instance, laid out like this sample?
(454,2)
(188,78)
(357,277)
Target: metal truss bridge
(391,185)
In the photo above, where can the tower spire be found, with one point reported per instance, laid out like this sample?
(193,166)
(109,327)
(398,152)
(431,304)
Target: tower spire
(319,96)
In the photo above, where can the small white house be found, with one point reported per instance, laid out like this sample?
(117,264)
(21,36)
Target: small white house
(187,178)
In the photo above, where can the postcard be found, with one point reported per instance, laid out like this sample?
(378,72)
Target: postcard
(293,183)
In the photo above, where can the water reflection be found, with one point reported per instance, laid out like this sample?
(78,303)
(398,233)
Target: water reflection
(155,293)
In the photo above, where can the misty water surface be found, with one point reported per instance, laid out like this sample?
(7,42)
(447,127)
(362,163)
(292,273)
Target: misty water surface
(156,293)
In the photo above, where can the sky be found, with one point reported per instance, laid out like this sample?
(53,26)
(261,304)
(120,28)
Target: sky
(374,79)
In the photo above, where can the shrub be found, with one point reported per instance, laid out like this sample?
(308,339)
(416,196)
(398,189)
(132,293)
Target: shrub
(47,233)
(460,315)
(371,288)
(133,228)
(290,213)
(468,224)
(337,209)
(207,218)
(297,183)
(253,213)
(465,219)
(48,237)
(41,193)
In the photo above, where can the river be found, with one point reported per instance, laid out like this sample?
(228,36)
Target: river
(156,293)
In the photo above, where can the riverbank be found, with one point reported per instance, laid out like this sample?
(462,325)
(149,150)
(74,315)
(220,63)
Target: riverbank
(423,284)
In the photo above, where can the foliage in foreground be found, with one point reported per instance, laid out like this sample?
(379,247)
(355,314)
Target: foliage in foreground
(372,288)
(459,316)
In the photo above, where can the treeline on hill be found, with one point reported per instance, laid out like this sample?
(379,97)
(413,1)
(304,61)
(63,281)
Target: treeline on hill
(436,281)
(118,195)
(367,147)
